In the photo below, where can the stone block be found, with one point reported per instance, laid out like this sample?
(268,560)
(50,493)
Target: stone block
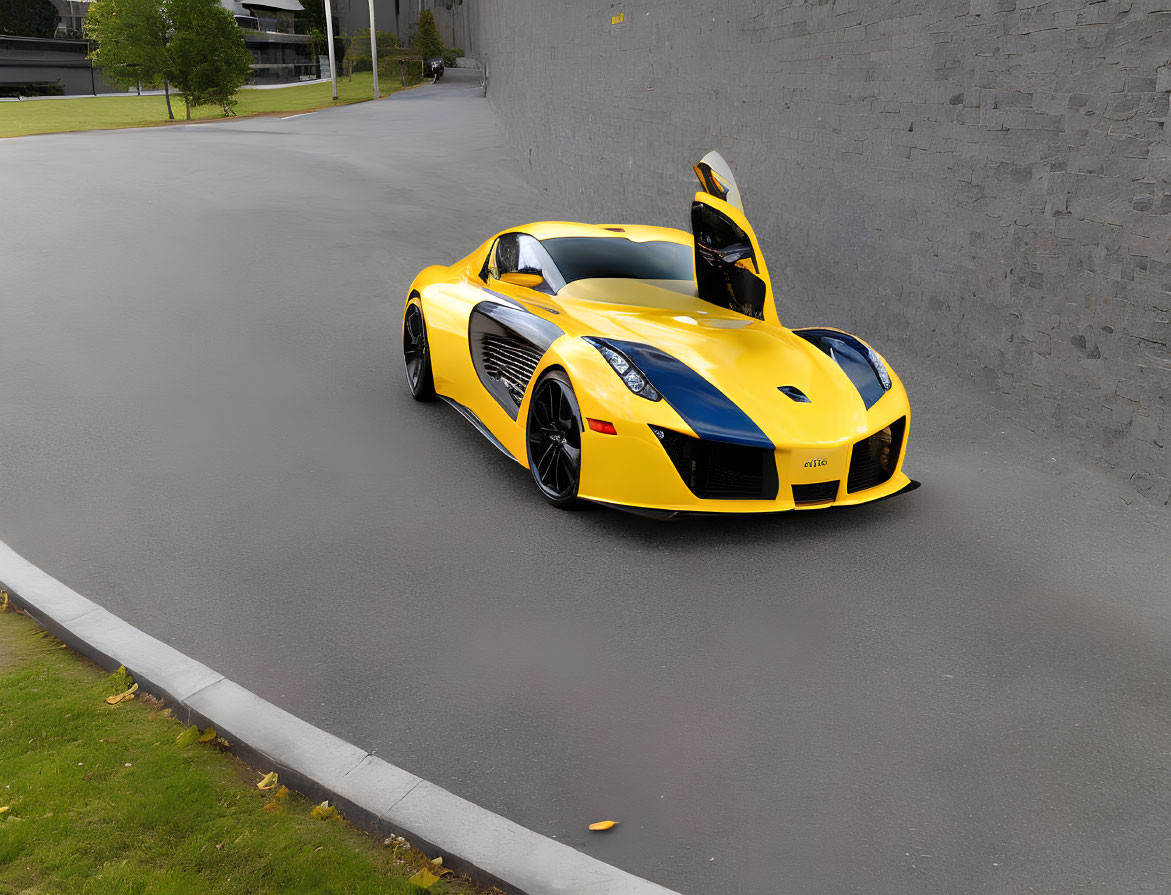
(1163,78)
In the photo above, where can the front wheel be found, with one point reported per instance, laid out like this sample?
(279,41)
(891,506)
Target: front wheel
(554,439)
(417,354)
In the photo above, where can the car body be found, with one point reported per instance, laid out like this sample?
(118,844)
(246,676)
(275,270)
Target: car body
(646,368)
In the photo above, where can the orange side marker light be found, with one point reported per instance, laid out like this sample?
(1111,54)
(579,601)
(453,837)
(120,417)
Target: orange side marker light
(602,426)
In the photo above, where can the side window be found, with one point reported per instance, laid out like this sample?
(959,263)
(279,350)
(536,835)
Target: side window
(507,254)
(501,257)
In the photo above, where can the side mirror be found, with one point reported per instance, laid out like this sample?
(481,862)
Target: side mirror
(524,280)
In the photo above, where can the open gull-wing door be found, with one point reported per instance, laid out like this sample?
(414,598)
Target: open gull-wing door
(729,269)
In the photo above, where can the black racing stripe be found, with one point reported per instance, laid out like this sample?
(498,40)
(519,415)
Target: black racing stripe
(709,412)
(852,356)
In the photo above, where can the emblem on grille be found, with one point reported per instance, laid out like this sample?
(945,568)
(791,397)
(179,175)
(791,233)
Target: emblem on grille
(812,463)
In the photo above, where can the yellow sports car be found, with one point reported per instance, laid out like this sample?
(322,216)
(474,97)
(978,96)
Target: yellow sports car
(645,368)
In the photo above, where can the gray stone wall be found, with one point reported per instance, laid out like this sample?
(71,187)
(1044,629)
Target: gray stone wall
(983,181)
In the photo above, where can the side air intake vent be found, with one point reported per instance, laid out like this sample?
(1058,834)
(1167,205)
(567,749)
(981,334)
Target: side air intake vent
(507,345)
(875,459)
(716,470)
(511,362)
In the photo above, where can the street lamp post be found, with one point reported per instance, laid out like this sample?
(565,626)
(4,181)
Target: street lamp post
(329,37)
(374,49)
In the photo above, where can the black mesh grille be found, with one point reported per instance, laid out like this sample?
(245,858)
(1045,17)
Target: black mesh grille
(510,361)
(715,470)
(815,493)
(874,459)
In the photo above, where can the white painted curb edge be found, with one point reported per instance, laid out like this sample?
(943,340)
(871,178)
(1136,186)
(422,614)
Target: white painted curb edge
(373,794)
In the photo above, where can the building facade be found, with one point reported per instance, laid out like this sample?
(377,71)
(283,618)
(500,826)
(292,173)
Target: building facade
(72,13)
(402,17)
(32,66)
(274,31)
(37,66)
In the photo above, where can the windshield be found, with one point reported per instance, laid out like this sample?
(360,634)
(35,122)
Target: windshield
(587,257)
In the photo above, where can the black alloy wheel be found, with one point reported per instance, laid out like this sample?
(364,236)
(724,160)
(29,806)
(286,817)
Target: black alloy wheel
(554,439)
(417,355)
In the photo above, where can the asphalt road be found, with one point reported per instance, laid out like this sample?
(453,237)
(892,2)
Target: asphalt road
(204,426)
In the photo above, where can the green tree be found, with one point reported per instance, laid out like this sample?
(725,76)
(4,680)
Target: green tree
(314,13)
(132,42)
(359,47)
(28,18)
(210,61)
(428,42)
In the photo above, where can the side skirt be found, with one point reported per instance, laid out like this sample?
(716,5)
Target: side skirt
(468,414)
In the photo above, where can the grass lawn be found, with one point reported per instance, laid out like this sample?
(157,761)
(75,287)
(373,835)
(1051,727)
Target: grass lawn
(49,116)
(102,799)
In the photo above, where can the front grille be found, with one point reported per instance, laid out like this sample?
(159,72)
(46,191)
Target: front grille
(815,493)
(511,362)
(875,459)
(716,470)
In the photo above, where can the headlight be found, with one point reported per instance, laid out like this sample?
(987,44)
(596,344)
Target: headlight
(858,361)
(634,378)
(879,368)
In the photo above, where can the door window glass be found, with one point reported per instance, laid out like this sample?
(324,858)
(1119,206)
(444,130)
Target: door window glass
(726,272)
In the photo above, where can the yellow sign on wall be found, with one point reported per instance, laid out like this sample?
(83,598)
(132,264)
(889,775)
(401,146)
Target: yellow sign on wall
(618,19)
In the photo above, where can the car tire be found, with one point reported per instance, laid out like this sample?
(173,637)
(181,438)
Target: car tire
(553,440)
(417,354)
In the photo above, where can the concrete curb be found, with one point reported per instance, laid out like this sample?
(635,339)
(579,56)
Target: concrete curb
(373,794)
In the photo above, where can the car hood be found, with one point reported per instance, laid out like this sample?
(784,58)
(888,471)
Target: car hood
(748,360)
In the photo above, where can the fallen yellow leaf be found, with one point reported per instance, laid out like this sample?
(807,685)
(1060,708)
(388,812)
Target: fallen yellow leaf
(5,808)
(125,696)
(208,735)
(268,781)
(603,825)
(188,736)
(282,792)
(424,879)
(438,861)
